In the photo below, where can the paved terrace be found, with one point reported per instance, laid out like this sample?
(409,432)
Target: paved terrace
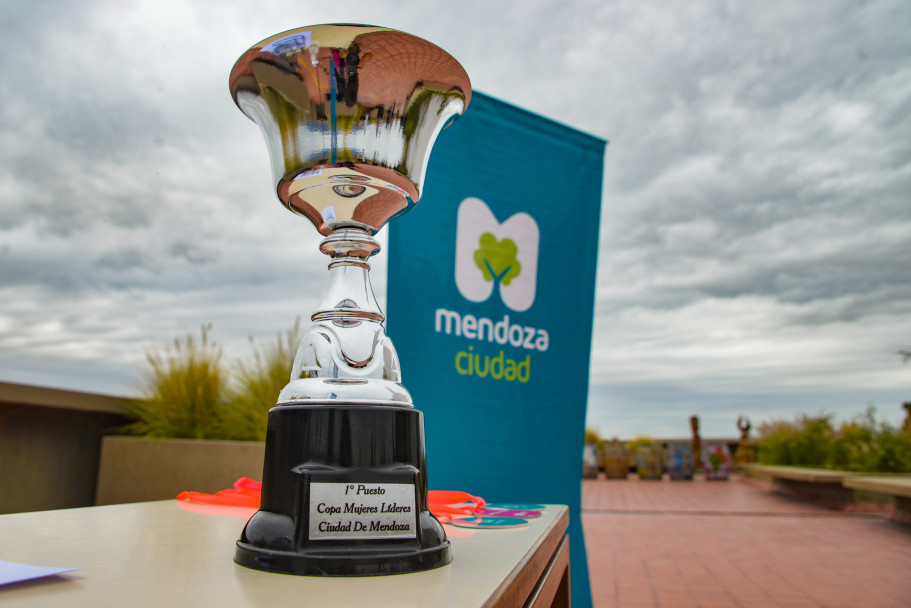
(736,543)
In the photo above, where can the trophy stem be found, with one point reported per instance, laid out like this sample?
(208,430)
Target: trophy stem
(345,356)
(348,298)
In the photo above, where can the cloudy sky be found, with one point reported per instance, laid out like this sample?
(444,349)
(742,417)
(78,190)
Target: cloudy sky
(756,228)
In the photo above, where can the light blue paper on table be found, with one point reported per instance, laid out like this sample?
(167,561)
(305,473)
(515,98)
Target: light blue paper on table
(11,572)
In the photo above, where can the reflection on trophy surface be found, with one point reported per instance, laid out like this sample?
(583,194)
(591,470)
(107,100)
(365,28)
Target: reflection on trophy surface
(349,114)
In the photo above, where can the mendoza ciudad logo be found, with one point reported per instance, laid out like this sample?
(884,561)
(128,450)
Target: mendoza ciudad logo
(502,259)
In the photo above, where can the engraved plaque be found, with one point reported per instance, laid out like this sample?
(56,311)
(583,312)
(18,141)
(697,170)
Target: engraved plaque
(362,511)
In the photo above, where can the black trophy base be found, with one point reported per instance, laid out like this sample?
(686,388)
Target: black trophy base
(344,494)
(354,564)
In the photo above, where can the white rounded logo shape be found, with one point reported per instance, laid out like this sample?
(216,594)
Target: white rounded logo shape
(492,255)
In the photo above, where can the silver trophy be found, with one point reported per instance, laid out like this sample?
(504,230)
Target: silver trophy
(349,114)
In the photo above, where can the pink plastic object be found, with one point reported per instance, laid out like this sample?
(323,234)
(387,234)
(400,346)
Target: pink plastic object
(447,504)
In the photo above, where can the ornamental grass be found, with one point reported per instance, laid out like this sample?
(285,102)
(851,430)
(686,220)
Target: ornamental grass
(255,387)
(182,391)
(188,391)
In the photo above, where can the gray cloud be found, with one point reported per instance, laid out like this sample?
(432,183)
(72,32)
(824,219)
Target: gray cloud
(755,224)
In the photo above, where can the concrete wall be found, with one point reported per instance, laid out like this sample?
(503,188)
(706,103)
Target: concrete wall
(49,446)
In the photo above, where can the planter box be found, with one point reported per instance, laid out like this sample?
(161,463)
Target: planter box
(716,460)
(649,462)
(680,462)
(134,469)
(615,460)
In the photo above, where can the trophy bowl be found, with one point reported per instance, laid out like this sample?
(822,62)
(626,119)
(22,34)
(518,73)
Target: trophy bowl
(350,114)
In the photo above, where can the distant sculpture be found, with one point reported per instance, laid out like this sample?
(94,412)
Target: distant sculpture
(697,441)
(745,452)
(744,426)
(907,424)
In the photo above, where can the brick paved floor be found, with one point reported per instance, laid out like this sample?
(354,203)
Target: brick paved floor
(735,543)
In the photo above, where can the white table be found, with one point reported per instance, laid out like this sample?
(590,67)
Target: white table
(164,554)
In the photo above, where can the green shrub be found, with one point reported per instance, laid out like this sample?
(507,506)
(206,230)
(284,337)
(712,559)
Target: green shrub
(633,445)
(804,442)
(183,390)
(862,444)
(189,393)
(256,387)
(867,445)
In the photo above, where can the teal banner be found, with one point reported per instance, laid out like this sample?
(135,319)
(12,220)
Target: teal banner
(490,300)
